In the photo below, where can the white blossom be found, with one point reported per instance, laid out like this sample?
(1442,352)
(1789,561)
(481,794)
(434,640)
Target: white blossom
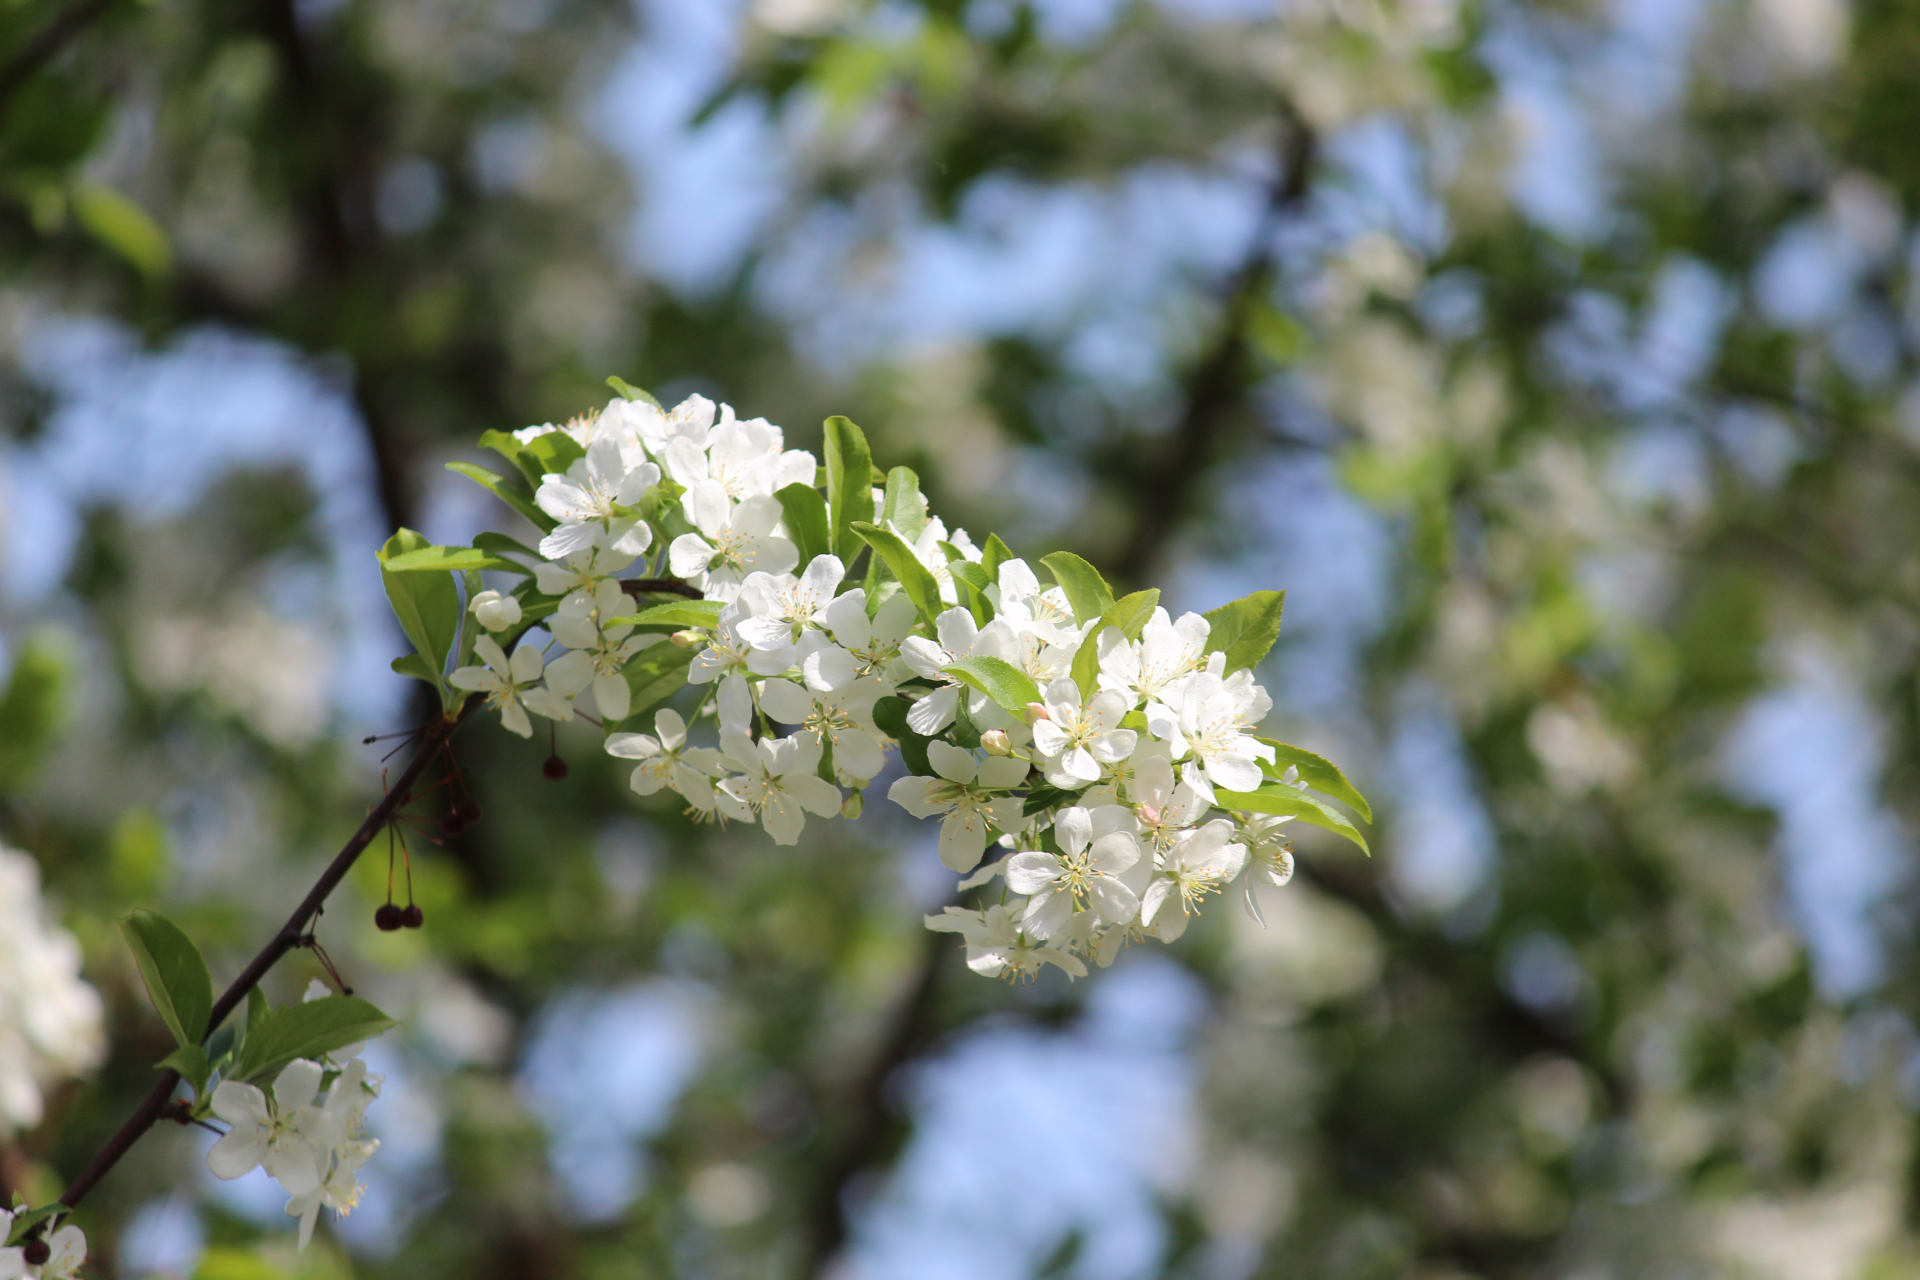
(732,542)
(776,784)
(511,684)
(960,637)
(873,643)
(966,794)
(276,1133)
(1075,739)
(780,606)
(1095,847)
(584,501)
(1200,862)
(1203,723)
(494,611)
(842,717)
(665,759)
(1147,669)
(50,1020)
(996,945)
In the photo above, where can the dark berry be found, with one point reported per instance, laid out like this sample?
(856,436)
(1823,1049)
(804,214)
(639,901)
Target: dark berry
(413,917)
(36,1252)
(468,811)
(554,768)
(389,918)
(452,824)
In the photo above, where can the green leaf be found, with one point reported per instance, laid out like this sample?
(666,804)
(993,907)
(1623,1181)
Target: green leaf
(455,559)
(190,1061)
(509,447)
(1246,629)
(427,604)
(257,1007)
(630,392)
(684,613)
(656,673)
(905,507)
(914,578)
(996,554)
(1043,795)
(1086,590)
(33,709)
(220,1046)
(890,715)
(1317,772)
(1291,802)
(849,485)
(307,1030)
(551,454)
(806,522)
(1009,687)
(123,227)
(500,545)
(416,666)
(175,974)
(515,495)
(26,1219)
(1130,614)
(976,580)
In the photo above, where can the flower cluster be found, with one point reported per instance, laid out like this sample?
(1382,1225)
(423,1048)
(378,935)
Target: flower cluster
(50,1020)
(1107,748)
(59,1254)
(313,1146)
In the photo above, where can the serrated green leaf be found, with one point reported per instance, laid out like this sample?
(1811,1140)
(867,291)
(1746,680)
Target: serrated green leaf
(890,715)
(1130,614)
(849,486)
(905,508)
(509,447)
(1086,590)
(174,971)
(1317,772)
(427,604)
(805,516)
(914,578)
(452,559)
(190,1061)
(307,1030)
(1245,629)
(514,495)
(1291,802)
(682,613)
(630,392)
(1010,688)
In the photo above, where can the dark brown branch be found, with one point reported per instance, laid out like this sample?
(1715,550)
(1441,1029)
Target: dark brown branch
(47,42)
(1164,483)
(637,587)
(154,1106)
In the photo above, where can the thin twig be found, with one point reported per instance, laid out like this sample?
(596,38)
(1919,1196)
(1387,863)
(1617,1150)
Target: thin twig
(47,42)
(397,797)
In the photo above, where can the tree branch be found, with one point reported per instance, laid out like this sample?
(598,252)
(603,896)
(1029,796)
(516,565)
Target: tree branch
(437,732)
(1167,476)
(47,42)
(636,587)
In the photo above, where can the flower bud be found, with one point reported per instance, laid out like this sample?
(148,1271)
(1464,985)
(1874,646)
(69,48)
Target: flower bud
(996,742)
(688,639)
(1037,711)
(853,805)
(1148,814)
(495,611)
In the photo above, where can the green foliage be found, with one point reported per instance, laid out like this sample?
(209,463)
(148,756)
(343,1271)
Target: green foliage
(191,1062)
(174,972)
(630,392)
(515,495)
(428,606)
(1008,686)
(1131,614)
(849,467)
(659,672)
(904,507)
(1291,802)
(1246,629)
(306,1030)
(1317,772)
(702,614)
(890,714)
(31,710)
(458,559)
(1086,590)
(806,521)
(906,567)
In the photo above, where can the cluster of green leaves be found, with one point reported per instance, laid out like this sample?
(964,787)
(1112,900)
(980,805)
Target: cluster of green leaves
(243,1049)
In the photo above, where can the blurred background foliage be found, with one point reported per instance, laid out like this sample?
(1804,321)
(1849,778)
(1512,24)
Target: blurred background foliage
(1558,358)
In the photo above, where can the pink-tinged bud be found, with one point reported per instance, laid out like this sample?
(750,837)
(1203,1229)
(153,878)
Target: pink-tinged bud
(996,742)
(1036,712)
(688,639)
(1148,814)
(853,805)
